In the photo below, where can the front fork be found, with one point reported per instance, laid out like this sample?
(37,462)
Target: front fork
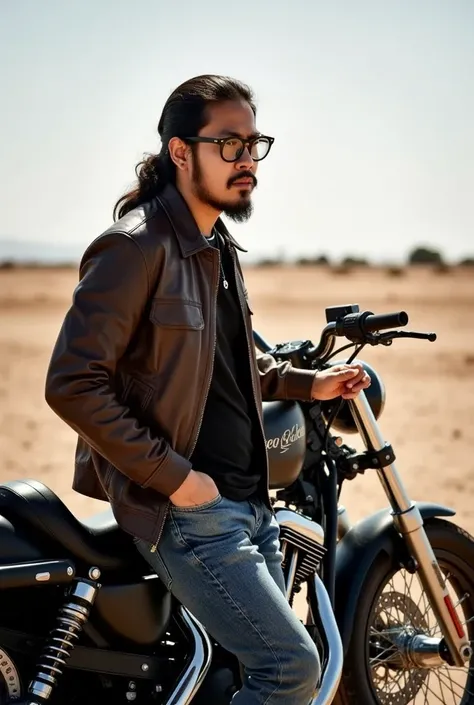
(409,523)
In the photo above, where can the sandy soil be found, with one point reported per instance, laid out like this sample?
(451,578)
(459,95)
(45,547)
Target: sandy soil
(430,386)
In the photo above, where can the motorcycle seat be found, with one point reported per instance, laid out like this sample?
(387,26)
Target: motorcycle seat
(95,541)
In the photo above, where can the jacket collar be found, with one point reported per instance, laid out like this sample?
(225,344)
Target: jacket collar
(186,230)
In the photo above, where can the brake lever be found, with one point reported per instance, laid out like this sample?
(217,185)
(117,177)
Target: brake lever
(431,337)
(387,338)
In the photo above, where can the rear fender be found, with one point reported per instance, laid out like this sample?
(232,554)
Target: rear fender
(357,552)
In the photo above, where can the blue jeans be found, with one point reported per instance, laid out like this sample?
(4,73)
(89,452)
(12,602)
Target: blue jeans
(222,561)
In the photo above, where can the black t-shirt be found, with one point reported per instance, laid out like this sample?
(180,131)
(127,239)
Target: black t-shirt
(225,447)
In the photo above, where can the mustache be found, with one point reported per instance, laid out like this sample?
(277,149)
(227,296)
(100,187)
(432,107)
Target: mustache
(242,175)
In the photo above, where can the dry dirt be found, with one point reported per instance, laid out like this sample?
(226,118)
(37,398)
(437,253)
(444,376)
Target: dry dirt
(430,386)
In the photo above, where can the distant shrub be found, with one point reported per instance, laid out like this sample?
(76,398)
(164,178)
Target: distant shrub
(319,261)
(354,262)
(441,268)
(467,262)
(322,260)
(396,271)
(65,265)
(36,264)
(341,269)
(269,262)
(424,255)
(7,264)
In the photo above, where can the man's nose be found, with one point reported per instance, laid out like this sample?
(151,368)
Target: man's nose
(245,161)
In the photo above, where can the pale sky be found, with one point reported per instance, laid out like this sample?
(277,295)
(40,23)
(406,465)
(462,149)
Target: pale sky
(371,103)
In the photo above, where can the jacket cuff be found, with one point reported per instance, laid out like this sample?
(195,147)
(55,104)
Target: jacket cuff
(299,384)
(170,475)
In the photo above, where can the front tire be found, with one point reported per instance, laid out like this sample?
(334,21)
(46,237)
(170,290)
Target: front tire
(392,599)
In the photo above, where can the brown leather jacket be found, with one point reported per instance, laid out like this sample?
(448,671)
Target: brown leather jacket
(132,364)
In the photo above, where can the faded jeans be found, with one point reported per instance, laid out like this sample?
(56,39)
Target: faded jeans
(222,561)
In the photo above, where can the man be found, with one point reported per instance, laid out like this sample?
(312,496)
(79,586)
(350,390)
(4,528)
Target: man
(155,369)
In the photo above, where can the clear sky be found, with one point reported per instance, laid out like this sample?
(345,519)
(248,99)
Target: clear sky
(371,103)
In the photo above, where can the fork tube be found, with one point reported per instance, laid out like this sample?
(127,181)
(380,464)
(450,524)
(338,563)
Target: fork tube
(409,522)
(369,430)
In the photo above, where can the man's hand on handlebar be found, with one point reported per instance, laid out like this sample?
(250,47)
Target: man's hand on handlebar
(344,381)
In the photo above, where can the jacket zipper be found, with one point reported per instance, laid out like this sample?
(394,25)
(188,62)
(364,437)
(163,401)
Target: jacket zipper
(203,408)
(154,545)
(236,275)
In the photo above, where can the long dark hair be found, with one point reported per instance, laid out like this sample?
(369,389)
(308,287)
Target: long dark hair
(184,115)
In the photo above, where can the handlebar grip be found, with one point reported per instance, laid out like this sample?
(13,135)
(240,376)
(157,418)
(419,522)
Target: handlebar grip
(384,321)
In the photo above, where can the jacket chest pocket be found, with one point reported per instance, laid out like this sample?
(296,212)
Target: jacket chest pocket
(177,314)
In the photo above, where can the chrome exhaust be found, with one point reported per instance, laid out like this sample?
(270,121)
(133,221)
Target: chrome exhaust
(197,666)
(332,673)
(200,661)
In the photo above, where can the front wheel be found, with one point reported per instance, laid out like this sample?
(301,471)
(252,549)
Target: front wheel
(384,663)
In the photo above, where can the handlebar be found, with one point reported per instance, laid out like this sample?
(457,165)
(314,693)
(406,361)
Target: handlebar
(360,328)
(357,327)
(384,321)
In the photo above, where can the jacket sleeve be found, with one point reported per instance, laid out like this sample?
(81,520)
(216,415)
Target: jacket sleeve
(280,380)
(108,303)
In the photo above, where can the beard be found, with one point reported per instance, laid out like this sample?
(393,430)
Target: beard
(239,211)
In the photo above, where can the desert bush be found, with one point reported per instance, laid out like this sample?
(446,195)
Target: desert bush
(350,261)
(424,255)
(441,268)
(394,271)
(269,262)
(7,264)
(341,269)
(318,261)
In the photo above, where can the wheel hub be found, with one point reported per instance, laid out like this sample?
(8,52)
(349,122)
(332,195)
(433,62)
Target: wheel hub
(398,626)
(420,651)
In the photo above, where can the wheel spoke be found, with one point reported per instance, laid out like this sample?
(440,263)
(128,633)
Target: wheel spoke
(447,675)
(433,692)
(442,686)
(466,596)
(378,660)
(402,612)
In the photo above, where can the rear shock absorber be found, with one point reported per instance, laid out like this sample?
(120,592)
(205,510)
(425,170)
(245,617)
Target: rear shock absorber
(61,641)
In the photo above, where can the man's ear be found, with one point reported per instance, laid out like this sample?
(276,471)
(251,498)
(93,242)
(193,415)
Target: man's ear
(180,153)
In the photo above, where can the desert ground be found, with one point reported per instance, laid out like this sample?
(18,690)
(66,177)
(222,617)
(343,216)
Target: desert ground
(430,386)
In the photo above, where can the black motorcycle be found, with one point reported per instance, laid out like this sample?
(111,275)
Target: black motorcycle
(390,599)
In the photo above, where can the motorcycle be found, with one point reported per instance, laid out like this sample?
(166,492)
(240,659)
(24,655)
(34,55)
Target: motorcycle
(390,599)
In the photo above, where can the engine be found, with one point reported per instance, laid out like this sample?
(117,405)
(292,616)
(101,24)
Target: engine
(302,542)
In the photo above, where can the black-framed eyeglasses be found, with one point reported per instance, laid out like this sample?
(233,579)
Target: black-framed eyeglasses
(232,148)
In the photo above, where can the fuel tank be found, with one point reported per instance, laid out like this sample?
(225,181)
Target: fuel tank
(285,434)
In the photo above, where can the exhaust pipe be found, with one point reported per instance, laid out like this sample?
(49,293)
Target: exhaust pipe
(198,664)
(333,671)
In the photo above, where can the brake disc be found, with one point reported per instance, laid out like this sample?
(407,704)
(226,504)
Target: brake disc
(396,614)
